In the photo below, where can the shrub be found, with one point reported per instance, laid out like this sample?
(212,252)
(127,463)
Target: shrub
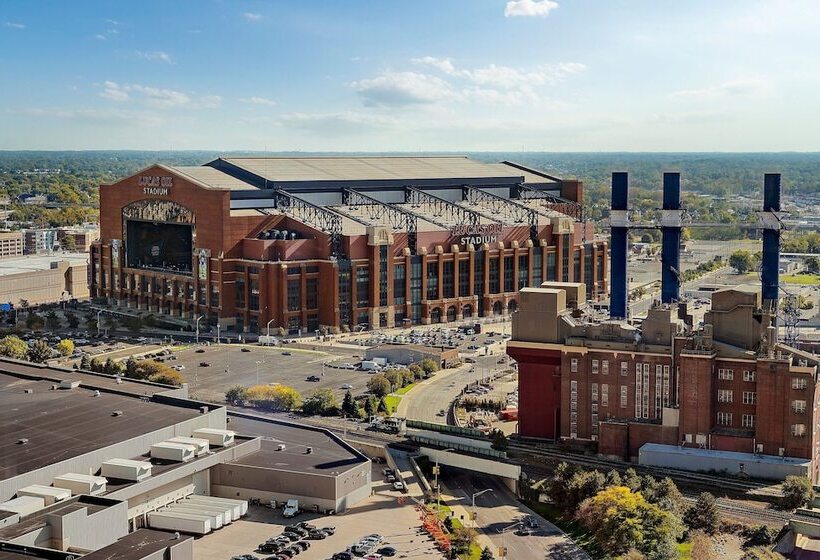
(797,492)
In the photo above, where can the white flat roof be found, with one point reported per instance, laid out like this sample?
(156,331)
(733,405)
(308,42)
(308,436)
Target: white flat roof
(730,455)
(33,263)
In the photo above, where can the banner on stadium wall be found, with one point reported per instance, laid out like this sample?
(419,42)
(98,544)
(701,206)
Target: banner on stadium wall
(202,266)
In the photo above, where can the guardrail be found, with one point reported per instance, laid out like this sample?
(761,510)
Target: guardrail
(446,429)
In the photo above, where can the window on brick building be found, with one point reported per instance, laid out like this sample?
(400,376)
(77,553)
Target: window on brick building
(509,274)
(798,430)
(725,395)
(624,368)
(573,365)
(726,374)
(594,391)
(638,390)
(724,418)
(312,294)
(799,383)
(604,394)
(799,407)
(595,366)
(294,295)
(748,421)
(749,397)
(605,367)
(573,406)
(748,375)
(623,396)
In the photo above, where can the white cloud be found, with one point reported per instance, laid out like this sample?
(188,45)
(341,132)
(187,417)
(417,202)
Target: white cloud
(402,88)
(158,56)
(443,64)
(94,116)
(256,100)
(100,37)
(250,16)
(14,25)
(733,88)
(529,8)
(337,124)
(160,98)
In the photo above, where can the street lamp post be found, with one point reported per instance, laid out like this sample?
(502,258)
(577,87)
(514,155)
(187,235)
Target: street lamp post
(217,331)
(438,487)
(197,327)
(268,328)
(98,321)
(480,492)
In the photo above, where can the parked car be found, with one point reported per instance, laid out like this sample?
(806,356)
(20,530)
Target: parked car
(313,378)
(245,350)
(398,485)
(200,350)
(317,535)
(346,386)
(328,530)
(387,551)
(342,556)
(204,364)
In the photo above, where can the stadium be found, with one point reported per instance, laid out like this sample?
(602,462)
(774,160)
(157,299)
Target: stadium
(339,243)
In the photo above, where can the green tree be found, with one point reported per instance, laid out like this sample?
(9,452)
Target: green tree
(613,478)
(370,406)
(378,385)
(85,362)
(65,347)
(407,376)
(34,322)
(236,395)
(813,265)
(274,397)
(416,370)
(110,367)
(703,515)
(582,485)
(428,366)
(39,352)
(487,554)
(620,519)
(631,480)
(558,487)
(667,496)
(394,378)
(797,492)
(130,367)
(383,407)
(72,320)
(133,324)
(349,406)
(13,347)
(500,442)
(96,365)
(321,401)
(69,243)
(743,261)
(52,321)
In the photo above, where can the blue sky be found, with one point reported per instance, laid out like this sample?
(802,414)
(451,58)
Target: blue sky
(442,75)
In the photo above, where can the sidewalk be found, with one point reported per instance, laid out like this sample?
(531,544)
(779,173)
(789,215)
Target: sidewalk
(461,513)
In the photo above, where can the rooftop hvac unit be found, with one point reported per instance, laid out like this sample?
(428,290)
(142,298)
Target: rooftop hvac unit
(215,436)
(126,469)
(201,444)
(24,505)
(81,483)
(69,384)
(49,494)
(171,451)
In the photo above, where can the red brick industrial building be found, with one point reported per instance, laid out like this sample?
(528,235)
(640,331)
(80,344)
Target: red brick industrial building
(728,386)
(306,243)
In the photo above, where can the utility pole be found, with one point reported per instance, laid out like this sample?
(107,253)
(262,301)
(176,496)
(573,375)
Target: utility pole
(197,327)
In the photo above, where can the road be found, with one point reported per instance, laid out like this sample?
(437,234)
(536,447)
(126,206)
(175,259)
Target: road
(425,401)
(499,511)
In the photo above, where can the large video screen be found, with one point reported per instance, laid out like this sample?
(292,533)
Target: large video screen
(166,247)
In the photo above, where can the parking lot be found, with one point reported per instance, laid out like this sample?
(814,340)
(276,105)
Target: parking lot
(381,514)
(437,337)
(229,365)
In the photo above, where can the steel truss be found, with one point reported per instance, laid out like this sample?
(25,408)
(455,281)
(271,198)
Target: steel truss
(571,208)
(378,211)
(326,220)
(442,208)
(509,210)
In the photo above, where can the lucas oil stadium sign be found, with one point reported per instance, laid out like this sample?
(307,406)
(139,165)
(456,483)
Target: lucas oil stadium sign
(476,234)
(156,185)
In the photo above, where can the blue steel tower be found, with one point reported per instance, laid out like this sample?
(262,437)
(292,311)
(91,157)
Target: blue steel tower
(670,228)
(619,221)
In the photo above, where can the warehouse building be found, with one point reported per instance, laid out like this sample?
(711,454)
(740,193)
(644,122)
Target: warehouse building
(339,242)
(89,461)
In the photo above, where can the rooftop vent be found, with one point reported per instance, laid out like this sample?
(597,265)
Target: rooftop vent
(96,393)
(22,441)
(28,391)
(68,385)
(308,450)
(203,410)
(119,380)
(117,413)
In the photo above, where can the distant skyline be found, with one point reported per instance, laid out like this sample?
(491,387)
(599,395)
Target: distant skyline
(443,75)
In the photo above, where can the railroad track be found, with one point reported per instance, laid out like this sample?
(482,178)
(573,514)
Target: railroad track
(699,479)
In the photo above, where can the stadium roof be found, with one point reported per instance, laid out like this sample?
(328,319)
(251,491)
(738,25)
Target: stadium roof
(211,178)
(379,168)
